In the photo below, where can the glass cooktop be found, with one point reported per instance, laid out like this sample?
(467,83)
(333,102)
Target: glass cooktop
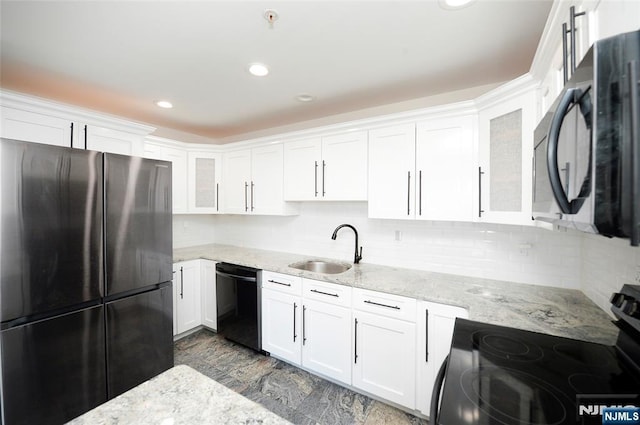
(505,376)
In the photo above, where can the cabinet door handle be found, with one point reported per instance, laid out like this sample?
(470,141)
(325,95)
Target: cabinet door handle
(565,52)
(480,173)
(181,282)
(325,293)
(304,333)
(217,197)
(295,306)
(252,186)
(408,192)
(395,307)
(420,193)
(246,205)
(279,283)
(85,137)
(426,336)
(572,33)
(71,144)
(355,342)
(315,179)
(324,166)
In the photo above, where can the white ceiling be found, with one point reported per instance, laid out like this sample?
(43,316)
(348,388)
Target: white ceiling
(119,56)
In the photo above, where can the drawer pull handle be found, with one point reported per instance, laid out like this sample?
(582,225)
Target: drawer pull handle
(395,307)
(279,283)
(325,293)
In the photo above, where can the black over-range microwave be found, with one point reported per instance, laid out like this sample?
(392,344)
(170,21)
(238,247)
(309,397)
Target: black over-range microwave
(587,147)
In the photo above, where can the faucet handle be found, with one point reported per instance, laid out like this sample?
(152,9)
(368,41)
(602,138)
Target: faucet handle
(358,256)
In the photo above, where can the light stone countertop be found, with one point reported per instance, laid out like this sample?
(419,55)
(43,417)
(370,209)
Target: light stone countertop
(562,312)
(177,396)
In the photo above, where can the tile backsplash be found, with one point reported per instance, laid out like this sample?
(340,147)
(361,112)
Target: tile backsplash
(596,265)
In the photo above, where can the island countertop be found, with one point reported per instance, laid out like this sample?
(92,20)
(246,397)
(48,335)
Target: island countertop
(557,311)
(177,396)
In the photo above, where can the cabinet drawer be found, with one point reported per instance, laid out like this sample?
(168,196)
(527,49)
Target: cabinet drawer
(326,292)
(388,305)
(282,282)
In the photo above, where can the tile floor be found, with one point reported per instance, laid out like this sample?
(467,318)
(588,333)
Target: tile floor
(289,392)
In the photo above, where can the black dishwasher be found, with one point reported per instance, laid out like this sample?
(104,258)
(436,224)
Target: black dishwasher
(238,304)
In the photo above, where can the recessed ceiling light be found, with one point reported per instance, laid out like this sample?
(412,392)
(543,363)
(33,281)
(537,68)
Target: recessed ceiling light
(304,97)
(455,4)
(258,69)
(164,104)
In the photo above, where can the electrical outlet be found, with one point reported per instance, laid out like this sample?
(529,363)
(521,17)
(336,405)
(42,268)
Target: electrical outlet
(398,235)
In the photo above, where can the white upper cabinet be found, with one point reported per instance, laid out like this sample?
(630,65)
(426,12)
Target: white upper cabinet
(423,172)
(107,140)
(301,161)
(40,121)
(35,127)
(344,167)
(330,168)
(253,181)
(178,158)
(204,179)
(505,159)
(445,165)
(392,172)
(236,177)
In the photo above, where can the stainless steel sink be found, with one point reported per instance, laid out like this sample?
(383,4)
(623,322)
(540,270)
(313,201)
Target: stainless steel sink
(318,266)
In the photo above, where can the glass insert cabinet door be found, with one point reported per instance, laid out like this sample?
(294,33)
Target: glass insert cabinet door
(205,174)
(506,160)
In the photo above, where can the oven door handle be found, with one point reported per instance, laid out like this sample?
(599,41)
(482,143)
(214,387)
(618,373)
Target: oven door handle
(437,390)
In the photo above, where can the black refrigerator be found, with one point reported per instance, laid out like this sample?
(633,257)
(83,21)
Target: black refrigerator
(85,278)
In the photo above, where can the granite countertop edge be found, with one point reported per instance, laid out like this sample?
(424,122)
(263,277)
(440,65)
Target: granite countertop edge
(557,311)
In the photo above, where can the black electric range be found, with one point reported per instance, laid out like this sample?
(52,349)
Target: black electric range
(497,375)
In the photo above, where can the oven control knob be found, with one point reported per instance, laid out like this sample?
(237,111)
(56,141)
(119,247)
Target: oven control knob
(617,299)
(631,307)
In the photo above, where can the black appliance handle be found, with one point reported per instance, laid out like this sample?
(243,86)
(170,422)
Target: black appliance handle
(437,390)
(634,96)
(85,137)
(570,97)
(71,141)
(237,277)
(552,149)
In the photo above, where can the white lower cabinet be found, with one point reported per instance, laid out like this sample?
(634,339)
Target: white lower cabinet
(208,292)
(194,295)
(435,330)
(186,293)
(326,330)
(386,345)
(309,328)
(384,353)
(281,316)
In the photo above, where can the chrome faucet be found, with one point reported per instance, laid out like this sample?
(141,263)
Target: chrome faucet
(357,257)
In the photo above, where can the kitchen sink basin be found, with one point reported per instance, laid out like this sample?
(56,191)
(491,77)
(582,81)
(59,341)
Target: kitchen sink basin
(318,266)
